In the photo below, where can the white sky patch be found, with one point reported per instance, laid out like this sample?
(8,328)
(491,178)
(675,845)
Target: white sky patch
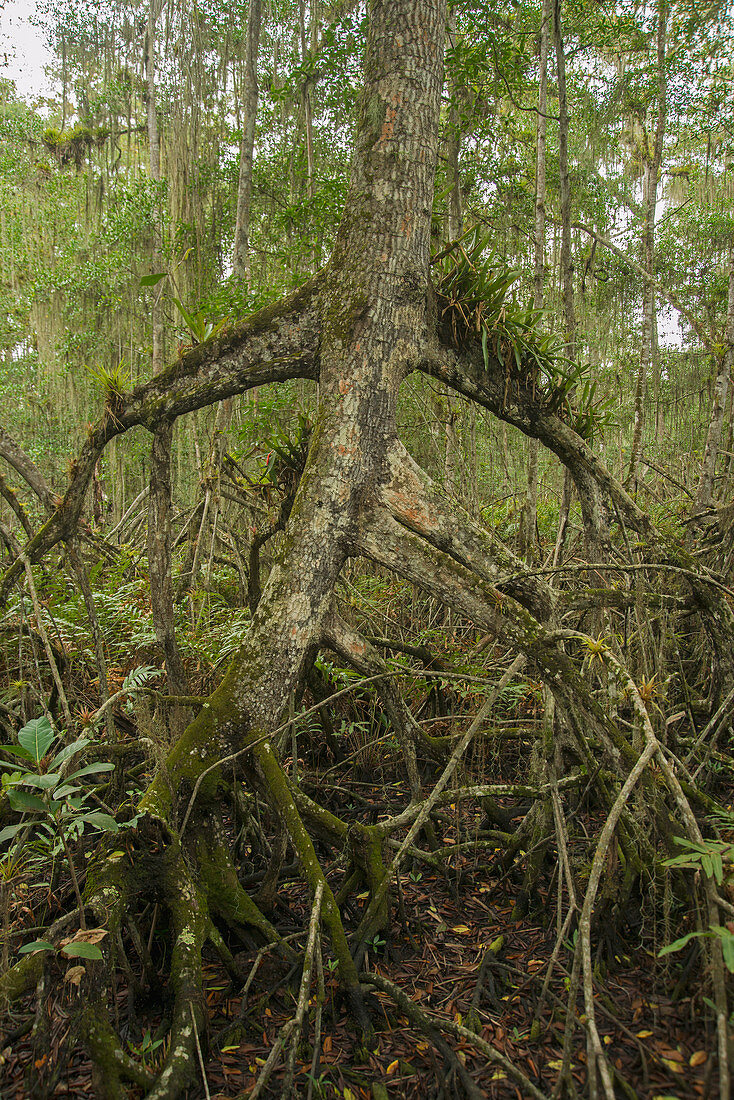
(669,329)
(23,52)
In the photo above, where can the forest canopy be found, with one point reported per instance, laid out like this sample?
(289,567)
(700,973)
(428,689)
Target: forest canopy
(367,551)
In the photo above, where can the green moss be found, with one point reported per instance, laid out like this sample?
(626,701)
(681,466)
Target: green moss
(225,893)
(279,790)
(21,978)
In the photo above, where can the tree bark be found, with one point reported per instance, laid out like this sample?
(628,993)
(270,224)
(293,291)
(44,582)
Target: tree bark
(527,538)
(159,557)
(154,150)
(705,492)
(240,254)
(652,162)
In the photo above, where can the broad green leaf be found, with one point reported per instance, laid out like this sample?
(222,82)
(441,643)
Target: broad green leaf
(63,792)
(727,944)
(37,945)
(727,950)
(81,950)
(101,821)
(15,750)
(190,319)
(69,750)
(45,782)
(36,738)
(25,802)
(10,831)
(677,944)
(91,769)
(153,280)
(718,867)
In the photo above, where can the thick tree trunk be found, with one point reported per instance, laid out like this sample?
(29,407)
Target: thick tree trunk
(374,320)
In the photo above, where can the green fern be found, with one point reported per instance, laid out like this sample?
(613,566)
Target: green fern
(138,678)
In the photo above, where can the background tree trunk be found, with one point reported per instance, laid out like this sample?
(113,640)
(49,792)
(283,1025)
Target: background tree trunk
(240,254)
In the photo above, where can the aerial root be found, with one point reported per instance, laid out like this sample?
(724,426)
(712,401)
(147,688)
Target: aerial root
(226,896)
(379,894)
(431,1027)
(652,749)
(284,803)
(110,1063)
(290,1033)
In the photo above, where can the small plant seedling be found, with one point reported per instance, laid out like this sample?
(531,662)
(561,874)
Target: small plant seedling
(147,1047)
(52,802)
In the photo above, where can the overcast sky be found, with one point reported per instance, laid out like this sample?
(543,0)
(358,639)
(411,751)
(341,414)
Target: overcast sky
(23,45)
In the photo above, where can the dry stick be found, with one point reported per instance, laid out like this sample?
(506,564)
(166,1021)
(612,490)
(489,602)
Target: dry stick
(379,894)
(138,500)
(430,1029)
(596,1057)
(255,966)
(77,565)
(292,1026)
(318,706)
(198,1052)
(599,567)
(46,642)
(108,703)
(563,849)
(484,790)
(652,748)
(694,833)
(431,1025)
(73,874)
(711,726)
(303,995)
(563,872)
(267,1070)
(320,998)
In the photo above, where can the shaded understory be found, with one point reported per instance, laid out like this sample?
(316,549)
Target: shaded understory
(456,947)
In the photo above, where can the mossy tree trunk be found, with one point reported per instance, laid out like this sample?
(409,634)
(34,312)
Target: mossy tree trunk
(359,327)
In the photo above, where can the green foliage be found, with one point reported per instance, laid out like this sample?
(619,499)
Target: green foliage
(76,949)
(200,326)
(286,455)
(147,1048)
(708,856)
(715,859)
(724,935)
(56,801)
(54,804)
(114,382)
(472,289)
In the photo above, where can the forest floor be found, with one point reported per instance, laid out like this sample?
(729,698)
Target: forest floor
(440,935)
